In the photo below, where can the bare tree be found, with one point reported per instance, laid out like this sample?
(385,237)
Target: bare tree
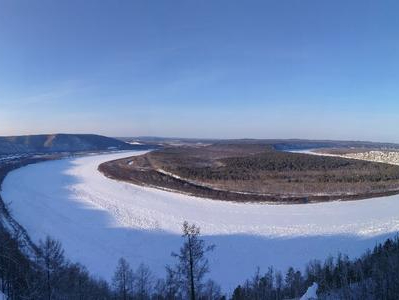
(192,264)
(172,284)
(123,280)
(211,291)
(279,284)
(51,258)
(143,282)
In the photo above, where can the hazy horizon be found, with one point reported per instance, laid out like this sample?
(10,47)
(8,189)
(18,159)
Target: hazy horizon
(259,69)
(203,138)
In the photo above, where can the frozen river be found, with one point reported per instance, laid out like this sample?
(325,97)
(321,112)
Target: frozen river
(99,220)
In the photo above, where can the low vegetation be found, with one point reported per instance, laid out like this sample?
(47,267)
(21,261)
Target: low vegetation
(256,172)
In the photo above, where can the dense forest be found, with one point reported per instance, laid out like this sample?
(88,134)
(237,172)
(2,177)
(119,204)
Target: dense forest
(49,275)
(254,167)
(375,275)
(256,172)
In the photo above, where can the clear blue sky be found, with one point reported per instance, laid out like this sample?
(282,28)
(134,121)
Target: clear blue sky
(217,68)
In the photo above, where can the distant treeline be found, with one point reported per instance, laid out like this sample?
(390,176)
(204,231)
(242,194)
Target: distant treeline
(262,170)
(271,163)
(256,173)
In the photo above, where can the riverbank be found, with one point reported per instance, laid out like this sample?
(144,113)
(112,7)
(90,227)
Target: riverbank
(100,219)
(256,174)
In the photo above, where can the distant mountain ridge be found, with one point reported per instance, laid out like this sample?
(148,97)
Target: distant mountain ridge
(278,144)
(51,143)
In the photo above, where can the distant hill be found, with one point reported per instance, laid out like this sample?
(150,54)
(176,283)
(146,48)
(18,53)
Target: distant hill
(60,143)
(278,144)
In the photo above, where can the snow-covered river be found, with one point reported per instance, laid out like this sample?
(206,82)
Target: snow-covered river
(99,220)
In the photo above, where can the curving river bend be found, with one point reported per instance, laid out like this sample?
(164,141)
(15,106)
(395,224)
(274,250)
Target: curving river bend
(99,220)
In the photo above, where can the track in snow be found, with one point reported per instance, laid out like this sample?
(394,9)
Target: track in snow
(99,220)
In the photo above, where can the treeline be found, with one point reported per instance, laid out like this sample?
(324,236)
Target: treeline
(49,275)
(46,275)
(273,163)
(184,280)
(375,275)
(256,174)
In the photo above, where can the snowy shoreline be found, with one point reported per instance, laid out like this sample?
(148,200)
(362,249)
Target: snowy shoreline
(386,157)
(99,220)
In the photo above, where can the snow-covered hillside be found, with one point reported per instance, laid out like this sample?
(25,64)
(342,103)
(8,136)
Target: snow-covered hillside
(99,220)
(388,157)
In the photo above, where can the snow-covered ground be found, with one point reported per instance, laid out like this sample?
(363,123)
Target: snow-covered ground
(312,152)
(311,293)
(2,296)
(388,157)
(6,158)
(99,220)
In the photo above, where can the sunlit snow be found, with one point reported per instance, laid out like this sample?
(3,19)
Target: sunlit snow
(99,220)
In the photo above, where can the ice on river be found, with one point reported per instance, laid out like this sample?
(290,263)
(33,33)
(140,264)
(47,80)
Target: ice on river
(99,220)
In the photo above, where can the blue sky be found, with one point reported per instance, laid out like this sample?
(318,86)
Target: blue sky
(219,69)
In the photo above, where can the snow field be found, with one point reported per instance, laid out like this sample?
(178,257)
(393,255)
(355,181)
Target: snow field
(99,220)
